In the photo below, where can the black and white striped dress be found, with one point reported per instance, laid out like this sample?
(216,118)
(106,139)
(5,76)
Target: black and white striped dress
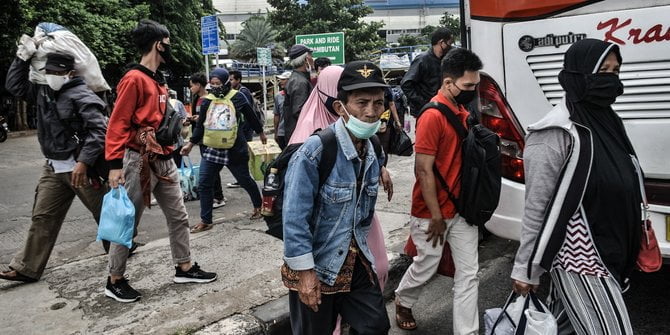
(584,297)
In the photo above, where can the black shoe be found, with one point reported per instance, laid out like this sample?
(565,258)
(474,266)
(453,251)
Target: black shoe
(121,291)
(194,275)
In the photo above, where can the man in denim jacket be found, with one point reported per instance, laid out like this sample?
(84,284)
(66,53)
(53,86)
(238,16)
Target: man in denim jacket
(329,268)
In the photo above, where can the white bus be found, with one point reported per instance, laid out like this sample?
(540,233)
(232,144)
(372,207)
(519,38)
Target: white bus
(522,42)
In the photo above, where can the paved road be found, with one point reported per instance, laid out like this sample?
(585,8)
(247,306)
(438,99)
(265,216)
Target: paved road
(20,166)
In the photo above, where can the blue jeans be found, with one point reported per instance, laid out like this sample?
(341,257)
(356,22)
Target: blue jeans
(218,189)
(208,173)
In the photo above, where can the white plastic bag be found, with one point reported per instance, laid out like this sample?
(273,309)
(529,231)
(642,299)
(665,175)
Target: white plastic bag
(536,318)
(503,321)
(540,323)
(51,37)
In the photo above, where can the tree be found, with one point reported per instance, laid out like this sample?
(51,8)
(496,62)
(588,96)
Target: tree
(182,18)
(257,32)
(453,23)
(104,26)
(411,40)
(291,18)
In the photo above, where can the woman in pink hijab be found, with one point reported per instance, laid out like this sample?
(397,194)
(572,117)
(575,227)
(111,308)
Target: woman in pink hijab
(315,114)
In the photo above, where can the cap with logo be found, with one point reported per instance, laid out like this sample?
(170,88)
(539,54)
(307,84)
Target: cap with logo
(298,50)
(284,75)
(59,62)
(360,74)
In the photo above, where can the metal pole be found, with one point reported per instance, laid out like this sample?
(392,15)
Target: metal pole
(265,93)
(207,66)
(217,61)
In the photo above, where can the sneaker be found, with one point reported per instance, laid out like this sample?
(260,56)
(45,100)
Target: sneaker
(154,202)
(194,275)
(219,203)
(233,185)
(121,291)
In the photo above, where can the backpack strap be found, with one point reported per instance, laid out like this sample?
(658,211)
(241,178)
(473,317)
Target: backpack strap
(449,114)
(460,130)
(328,154)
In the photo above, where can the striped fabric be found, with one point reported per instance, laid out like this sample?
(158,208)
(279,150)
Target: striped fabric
(587,305)
(578,253)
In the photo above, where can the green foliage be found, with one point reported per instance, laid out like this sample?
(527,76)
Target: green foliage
(410,40)
(257,32)
(104,26)
(453,23)
(182,18)
(325,16)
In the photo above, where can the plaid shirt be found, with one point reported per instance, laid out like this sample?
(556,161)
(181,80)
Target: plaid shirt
(218,156)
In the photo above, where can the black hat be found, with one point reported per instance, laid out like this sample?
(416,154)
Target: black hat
(360,74)
(59,62)
(298,50)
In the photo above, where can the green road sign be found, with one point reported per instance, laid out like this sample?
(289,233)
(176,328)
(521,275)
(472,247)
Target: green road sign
(329,45)
(264,56)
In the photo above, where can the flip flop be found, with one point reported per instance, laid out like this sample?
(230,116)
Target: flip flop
(404,318)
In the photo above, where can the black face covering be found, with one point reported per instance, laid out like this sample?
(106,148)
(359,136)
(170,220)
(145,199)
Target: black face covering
(219,91)
(602,89)
(465,97)
(612,197)
(329,102)
(166,53)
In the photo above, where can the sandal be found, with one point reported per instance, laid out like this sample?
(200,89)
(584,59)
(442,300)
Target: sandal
(200,227)
(257,214)
(13,275)
(404,317)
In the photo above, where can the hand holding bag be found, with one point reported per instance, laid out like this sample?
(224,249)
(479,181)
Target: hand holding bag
(649,259)
(117,218)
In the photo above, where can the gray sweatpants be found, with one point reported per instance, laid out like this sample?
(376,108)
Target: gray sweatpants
(169,198)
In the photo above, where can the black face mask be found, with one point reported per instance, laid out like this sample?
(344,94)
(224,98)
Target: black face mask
(219,91)
(465,97)
(329,103)
(166,53)
(602,89)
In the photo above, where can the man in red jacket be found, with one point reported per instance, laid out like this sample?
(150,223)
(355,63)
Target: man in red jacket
(144,166)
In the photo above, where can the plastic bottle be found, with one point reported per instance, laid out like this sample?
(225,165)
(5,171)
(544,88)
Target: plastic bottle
(269,196)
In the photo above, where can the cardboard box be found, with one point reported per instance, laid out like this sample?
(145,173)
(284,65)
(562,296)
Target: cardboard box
(260,156)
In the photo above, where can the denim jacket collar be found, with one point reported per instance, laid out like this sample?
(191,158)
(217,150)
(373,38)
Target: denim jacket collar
(347,144)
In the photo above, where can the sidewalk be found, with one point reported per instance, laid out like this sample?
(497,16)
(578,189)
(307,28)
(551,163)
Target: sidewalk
(248,297)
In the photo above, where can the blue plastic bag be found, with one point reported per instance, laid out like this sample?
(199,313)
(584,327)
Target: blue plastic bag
(188,179)
(117,218)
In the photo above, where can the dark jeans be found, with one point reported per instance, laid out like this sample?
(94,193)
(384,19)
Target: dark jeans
(218,189)
(363,309)
(209,172)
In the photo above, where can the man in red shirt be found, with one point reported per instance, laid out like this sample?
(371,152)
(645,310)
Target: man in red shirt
(434,216)
(144,166)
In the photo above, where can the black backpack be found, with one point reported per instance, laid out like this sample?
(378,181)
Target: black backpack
(480,172)
(169,130)
(328,157)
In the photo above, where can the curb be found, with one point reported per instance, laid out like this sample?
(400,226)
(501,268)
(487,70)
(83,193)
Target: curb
(21,133)
(272,318)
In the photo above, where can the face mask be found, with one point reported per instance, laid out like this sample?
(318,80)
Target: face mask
(56,82)
(166,53)
(360,129)
(219,91)
(603,88)
(465,97)
(329,103)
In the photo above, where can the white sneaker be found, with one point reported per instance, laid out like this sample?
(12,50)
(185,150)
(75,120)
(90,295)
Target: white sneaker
(218,203)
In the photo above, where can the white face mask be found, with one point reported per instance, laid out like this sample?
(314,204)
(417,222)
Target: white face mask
(56,82)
